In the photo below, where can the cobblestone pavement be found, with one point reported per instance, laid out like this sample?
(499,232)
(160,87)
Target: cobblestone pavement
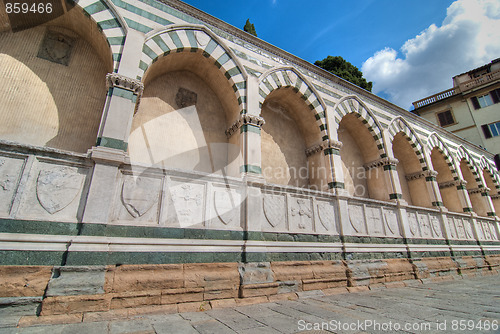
(469,305)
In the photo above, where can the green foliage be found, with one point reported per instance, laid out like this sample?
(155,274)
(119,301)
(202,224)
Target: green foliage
(249,28)
(344,69)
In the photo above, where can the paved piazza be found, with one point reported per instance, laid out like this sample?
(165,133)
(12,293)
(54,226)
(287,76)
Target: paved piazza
(460,306)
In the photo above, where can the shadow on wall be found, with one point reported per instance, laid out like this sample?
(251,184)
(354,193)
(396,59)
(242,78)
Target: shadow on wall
(56,88)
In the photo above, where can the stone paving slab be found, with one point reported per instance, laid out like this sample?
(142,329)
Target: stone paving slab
(424,308)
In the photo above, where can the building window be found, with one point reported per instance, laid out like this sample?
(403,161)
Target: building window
(486,100)
(491,130)
(445,118)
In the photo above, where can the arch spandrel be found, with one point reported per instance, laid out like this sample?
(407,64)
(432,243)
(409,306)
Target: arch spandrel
(187,38)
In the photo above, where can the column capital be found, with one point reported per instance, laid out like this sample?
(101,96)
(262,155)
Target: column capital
(124,82)
(418,175)
(382,162)
(245,119)
(453,183)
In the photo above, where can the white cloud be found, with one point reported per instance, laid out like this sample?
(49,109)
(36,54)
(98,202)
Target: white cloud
(468,37)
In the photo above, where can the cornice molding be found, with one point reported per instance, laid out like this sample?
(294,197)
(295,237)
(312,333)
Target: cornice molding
(381,162)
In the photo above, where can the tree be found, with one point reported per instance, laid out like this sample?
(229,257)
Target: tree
(249,28)
(344,69)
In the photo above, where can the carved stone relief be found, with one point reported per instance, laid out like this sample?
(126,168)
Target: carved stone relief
(459,223)
(187,199)
(10,170)
(356,217)
(274,209)
(391,220)
(412,219)
(425,226)
(469,234)
(374,220)
(451,228)
(58,187)
(326,217)
(436,227)
(185,98)
(139,194)
(227,206)
(301,215)
(56,47)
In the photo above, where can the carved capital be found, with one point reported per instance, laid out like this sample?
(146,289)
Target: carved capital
(421,174)
(245,119)
(482,191)
(454,183)
(121,81)
(314,149)
(333,144)
(382,162)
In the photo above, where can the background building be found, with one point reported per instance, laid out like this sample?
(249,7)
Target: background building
(471,109)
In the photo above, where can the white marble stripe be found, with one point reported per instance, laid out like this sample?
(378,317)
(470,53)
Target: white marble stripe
(273,83)
(166,38)
(218,51)
(142,20)
(86,3)
(102,16)
(183,37)
(281,78)
(155,47)
(113,32)
(293,77)
(116,48)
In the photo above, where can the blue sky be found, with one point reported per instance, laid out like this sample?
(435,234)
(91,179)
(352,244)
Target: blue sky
(409,49)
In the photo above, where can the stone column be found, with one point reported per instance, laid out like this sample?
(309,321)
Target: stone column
(111,147)
(333,163)
(248,129)
(121,102)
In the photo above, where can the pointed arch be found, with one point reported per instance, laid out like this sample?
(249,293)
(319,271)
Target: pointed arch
(195,38)
(353,105)
(283,77)
(398,125)
(110,22)
(484,164)
(434,141)
(462,153)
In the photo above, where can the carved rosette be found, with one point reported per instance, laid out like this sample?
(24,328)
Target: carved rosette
(245,119)
(382,162)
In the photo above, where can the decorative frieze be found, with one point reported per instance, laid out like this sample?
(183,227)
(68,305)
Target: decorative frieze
(245,119)
(418,175)
(382,162)
(123,82)
(483,191)
(453,183)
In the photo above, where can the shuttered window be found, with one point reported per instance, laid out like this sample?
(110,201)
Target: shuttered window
(445,118)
